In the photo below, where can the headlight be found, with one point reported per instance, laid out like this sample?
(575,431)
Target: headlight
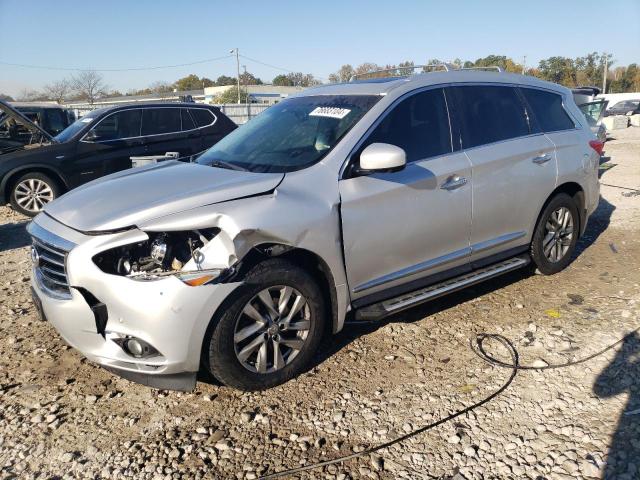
(193,278)
(163,254)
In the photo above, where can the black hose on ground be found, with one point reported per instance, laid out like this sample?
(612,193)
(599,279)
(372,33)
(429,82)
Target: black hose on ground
(479,349)
(514,357)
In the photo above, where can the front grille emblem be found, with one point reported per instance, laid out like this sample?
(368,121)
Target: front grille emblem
(35,256)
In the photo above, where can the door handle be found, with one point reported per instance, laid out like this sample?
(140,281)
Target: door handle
(540,159)
(453,182)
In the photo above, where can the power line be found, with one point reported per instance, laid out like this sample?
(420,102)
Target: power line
(77,69)
(267,64)
(158,67)
(274,66)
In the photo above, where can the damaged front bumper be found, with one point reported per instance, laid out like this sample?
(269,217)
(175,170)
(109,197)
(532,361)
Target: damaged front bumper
(97,313)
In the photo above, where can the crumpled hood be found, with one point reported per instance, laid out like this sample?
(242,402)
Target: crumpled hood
(140,194)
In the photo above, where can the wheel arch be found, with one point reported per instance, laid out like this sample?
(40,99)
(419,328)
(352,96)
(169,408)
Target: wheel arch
(9,179)
(575,191)
(309,261)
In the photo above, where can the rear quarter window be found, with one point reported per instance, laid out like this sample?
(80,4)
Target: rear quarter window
(202,116)
(489,113)
(548,109)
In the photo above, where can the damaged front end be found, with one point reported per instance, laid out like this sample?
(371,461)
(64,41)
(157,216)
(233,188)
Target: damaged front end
(186,255)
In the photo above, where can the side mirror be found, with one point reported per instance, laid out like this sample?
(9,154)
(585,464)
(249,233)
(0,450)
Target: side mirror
(382,157)
(91,136)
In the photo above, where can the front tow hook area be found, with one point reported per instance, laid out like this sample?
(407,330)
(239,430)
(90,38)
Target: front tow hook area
(98,308)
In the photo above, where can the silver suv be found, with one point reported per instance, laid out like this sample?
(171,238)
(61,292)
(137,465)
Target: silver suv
(354,200)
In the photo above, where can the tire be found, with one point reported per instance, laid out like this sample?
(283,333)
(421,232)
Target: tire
(556,235)
(32,191)
(225,347)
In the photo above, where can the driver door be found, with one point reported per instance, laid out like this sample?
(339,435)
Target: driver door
(407,228)
(108,146)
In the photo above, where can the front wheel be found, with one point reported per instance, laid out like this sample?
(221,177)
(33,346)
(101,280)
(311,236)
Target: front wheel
(556,235)
(269,330)
(31,192)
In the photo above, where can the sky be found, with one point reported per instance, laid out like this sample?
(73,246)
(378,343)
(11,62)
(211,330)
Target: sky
(312,37)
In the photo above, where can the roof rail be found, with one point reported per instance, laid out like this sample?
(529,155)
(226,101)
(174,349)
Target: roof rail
(400,70)
(492,67)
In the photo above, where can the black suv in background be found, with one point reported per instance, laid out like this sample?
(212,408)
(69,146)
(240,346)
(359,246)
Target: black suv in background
(53,118)
(104,141)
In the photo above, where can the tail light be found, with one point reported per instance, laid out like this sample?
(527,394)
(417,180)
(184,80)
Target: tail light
(597,145)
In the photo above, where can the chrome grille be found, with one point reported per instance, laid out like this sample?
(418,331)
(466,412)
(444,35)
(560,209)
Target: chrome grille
(49,265)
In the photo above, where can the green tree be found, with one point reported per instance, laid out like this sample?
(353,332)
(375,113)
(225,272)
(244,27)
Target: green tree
(626,79)
(230,95)
(224,80)
(6,98)
(502,61)
(558,70)
(207,82)
(590,68)
(282,81)
(247,78)
(190,82)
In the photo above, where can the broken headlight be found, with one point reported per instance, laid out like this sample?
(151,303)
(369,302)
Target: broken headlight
(163,254)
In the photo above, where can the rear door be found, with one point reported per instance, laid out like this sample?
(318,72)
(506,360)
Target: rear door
(403,228)
(575,157)
(163,134)
(513,168)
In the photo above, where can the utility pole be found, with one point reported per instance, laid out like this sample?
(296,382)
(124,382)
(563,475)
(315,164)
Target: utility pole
(524,64)
(246,86)
(604,77)
(235,50)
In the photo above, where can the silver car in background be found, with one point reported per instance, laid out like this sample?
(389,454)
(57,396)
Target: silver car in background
(354,200)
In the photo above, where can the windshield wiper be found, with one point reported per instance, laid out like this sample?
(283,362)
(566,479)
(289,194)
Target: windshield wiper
(227,165)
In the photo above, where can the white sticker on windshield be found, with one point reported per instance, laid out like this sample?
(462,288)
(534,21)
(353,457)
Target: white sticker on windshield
(331,112)
(86,120)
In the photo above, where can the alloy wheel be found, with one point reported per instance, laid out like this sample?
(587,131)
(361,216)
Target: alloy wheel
(271,329)
(558,234)
(33,194)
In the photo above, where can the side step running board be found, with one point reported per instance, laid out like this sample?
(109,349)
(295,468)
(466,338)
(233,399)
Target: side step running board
(407,300)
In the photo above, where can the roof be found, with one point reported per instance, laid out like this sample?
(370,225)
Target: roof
(36,105)
(137,98)
(124,106)
(383,86)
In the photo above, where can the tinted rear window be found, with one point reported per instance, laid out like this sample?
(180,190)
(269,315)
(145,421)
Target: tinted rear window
(156,121)
(187,121)
(202,116)
(548,110)
(489,114)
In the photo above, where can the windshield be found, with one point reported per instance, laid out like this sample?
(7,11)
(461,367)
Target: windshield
(75,127)
(290,135)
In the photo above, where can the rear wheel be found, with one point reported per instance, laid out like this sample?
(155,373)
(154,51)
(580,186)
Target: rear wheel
(32,191)
(269,331)
(556,235)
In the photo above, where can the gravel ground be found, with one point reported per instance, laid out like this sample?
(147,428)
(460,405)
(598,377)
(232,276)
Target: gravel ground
(62,417)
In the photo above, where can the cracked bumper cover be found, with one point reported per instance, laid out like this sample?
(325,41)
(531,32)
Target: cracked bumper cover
(167,314)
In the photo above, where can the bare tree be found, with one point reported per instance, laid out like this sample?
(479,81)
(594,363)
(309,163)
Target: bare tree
(161,89)
(89,85)
(28,95)
(58,91)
